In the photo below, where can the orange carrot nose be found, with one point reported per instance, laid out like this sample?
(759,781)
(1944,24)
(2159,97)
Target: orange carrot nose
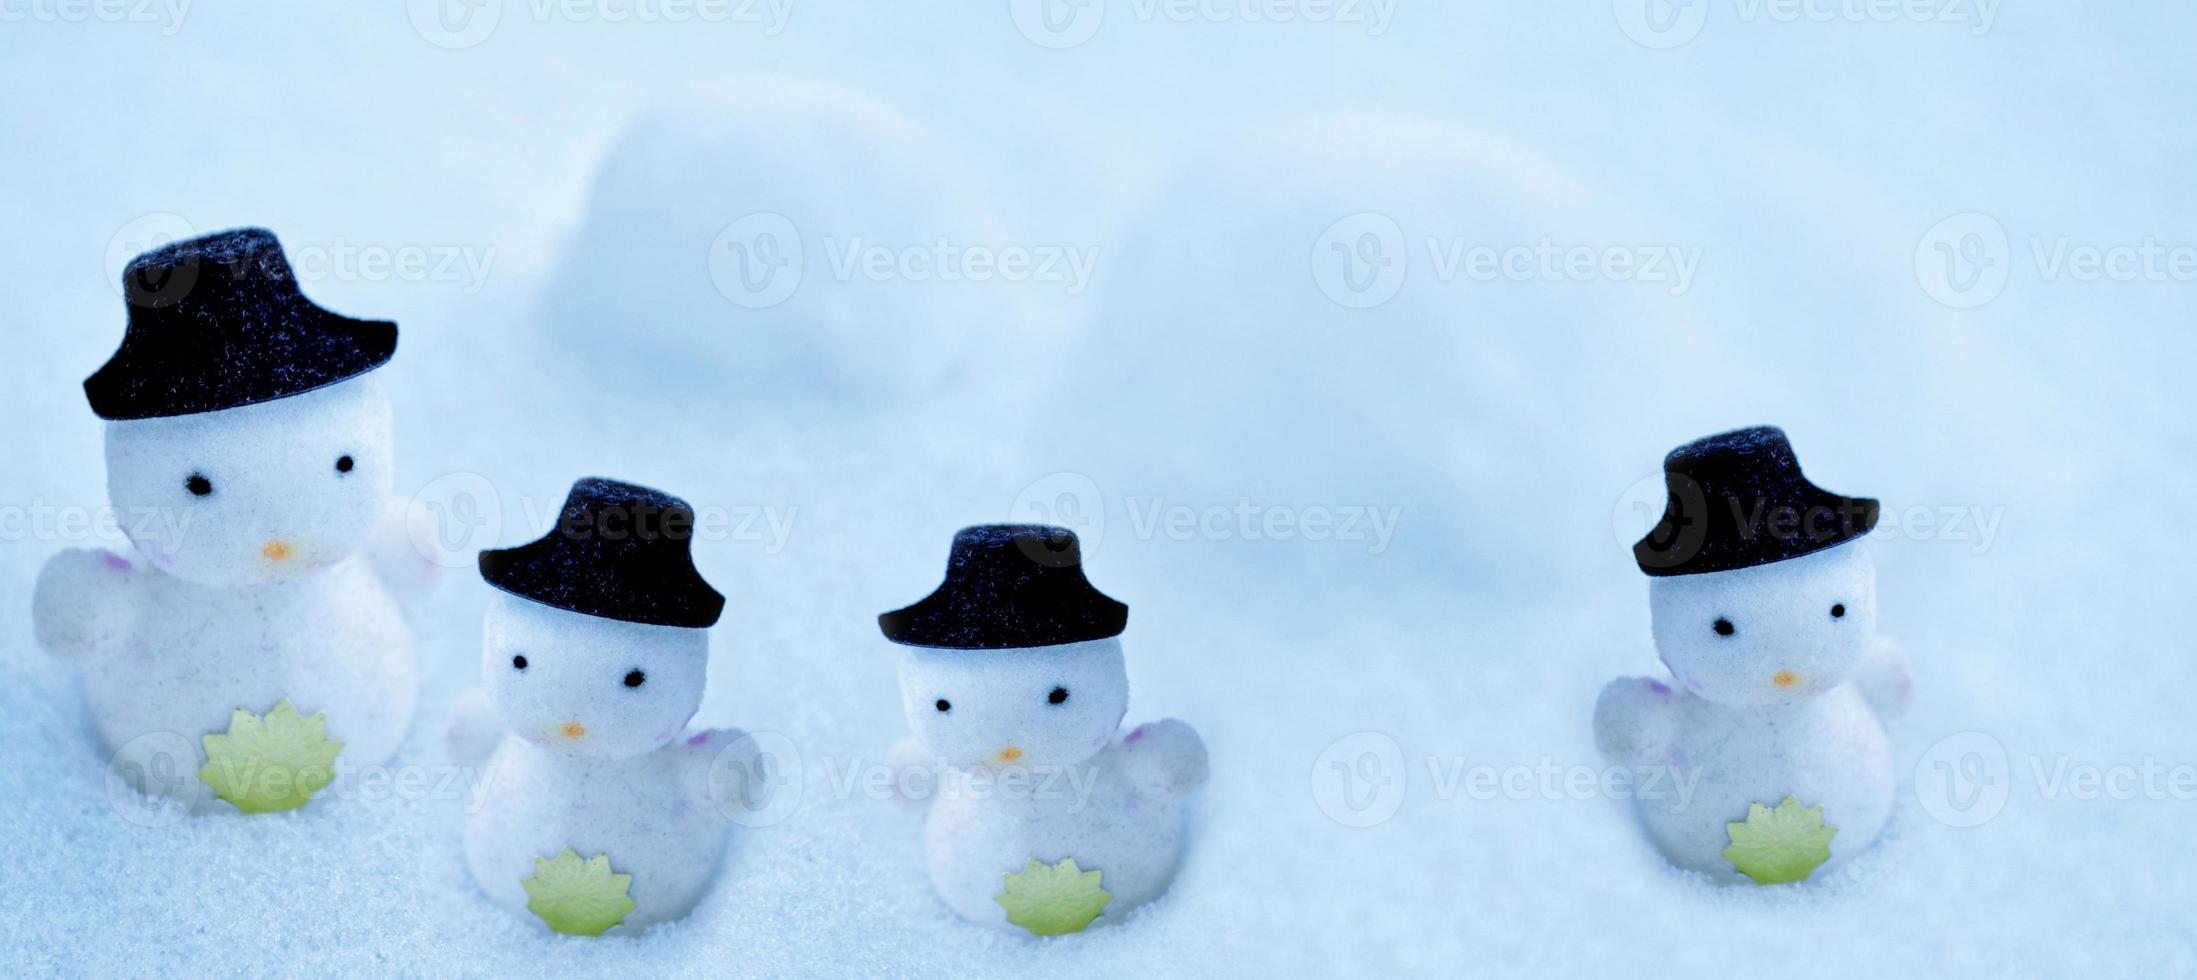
(574,729)
(1010,754)
(276,550)
(1784,678)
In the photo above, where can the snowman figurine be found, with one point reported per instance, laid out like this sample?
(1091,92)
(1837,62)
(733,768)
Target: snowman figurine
(256,632)
(597,812)
(1763,602)
(1041,819)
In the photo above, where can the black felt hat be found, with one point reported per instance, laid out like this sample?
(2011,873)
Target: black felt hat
(218,322)
(1009,585)
(618,551)
(1737,500)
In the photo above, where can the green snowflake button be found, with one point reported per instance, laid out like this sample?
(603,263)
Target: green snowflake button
(1050,900)
(271,763)
(576,897)
(1777,846)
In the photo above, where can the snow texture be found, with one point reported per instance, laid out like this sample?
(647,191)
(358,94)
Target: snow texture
(1383,713)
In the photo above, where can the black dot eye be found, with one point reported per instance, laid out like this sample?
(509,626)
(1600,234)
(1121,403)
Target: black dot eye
(518,662)
(198,485)
(945,705)
(635,678)
(1838,610)
(344,464)
(1723,626)
(1059,696)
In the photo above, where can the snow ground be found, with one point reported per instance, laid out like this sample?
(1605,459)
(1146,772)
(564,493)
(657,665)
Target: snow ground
(587,166)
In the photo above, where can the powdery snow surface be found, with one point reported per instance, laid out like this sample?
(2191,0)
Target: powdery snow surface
(1188,408)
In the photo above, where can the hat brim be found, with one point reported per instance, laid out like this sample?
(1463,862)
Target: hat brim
(321,348)
(1827,521)
(944,620)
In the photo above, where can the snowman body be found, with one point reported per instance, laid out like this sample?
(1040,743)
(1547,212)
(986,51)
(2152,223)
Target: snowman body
(256,582)
(1101,817)
(335,644)
(640,811)
(1030,768)
(1779,688)
(1829,751)
(588,719)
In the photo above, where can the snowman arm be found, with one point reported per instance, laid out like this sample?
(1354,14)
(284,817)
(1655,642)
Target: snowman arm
(908,756)
(1635,721)
(727,771)
(1164,759)
(1883,679)
(397,560)
(86,601)
(474,728)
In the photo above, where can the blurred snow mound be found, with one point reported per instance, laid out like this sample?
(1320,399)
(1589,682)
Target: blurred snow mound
(729,243)
(1297,318)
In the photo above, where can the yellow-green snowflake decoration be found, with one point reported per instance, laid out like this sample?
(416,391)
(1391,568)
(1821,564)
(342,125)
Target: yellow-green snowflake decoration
(1782,845)
(272,763)
(1050,900)
(575,897)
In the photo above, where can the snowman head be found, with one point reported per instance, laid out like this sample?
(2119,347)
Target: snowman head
(1767,634)
(254,494)
(587,685)
(1032,706)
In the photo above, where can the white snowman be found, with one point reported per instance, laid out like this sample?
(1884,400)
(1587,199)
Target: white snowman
(256,633)
(1763,601)
(1041,819)
(598,809)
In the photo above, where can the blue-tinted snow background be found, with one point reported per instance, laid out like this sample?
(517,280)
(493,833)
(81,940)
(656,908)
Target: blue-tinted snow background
(1297,307)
